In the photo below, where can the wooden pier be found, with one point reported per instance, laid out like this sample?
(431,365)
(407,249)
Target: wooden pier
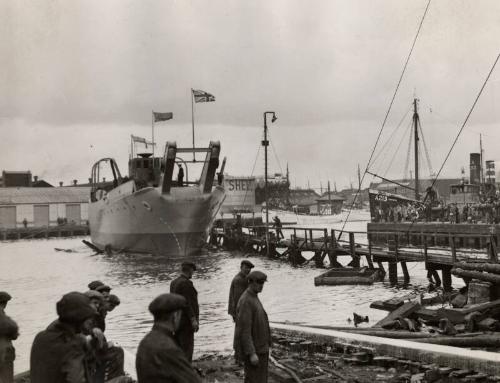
(44,232)
(439,245)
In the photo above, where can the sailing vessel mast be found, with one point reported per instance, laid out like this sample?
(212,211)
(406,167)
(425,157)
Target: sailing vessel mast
(416,122)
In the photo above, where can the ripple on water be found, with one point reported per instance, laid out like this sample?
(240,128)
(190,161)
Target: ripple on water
(37,276)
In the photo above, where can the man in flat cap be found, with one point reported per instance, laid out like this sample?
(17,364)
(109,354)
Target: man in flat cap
(104,290)
(182,285)
(8,332)
(238,286)
(95,284)
(253,330)
(58,354)
(159,358)
(113,302)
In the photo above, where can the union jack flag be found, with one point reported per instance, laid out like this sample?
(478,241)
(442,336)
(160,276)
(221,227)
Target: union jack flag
(202,96)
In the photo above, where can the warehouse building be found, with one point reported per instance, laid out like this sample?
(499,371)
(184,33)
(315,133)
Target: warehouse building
(43,206)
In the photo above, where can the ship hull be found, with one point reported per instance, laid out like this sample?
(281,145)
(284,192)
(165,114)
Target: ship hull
(146,221)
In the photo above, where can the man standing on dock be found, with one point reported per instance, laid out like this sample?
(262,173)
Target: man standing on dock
(180,176)
(253,330)
(238,287)
(159,358)
(8,333)
(182,285)
(278,226)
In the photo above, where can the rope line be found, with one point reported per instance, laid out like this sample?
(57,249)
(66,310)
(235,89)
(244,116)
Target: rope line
(408,152)
(429,164)
(382,151)
(459,133)
(387,114)
(253,169)
(397,150)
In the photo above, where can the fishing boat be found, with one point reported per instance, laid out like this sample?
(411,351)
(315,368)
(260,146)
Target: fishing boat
(150,212)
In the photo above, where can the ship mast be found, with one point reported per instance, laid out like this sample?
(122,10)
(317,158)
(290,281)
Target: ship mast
(416,122)
(481,174)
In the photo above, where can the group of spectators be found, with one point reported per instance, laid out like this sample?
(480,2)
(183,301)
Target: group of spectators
(74,349)
(487,211)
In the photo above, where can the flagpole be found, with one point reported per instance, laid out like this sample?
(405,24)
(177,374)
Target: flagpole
(153,130)
(192,121)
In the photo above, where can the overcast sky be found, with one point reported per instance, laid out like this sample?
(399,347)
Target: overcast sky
(78,77)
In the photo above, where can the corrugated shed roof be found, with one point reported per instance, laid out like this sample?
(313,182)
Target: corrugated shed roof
(332,197)
(303,197)
(30,195)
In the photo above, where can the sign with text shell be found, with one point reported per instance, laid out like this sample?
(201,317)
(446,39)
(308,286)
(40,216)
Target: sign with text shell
(240,194)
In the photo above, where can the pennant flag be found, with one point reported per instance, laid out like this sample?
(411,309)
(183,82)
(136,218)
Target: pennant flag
(162,116)
(138,139)
(201,96)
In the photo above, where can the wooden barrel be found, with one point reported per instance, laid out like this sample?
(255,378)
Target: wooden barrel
(479,292)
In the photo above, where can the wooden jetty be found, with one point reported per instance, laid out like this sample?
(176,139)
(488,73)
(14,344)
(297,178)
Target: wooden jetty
(44,232)
(439,245)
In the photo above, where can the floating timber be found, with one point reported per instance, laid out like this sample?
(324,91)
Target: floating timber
(454,357)
(349,276)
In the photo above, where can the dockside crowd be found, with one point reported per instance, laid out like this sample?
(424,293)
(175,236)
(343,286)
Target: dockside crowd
(487,211)
(74,348)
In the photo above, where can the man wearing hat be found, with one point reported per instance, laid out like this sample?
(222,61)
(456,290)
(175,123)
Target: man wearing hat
(238,286)
(107,358)
(252,326)
(113,302)
(182,285)
(58,353)
(104,290)
(8,332)
(159,358)
(95,284)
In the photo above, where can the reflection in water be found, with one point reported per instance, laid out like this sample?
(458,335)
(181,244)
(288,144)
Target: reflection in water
(37,276)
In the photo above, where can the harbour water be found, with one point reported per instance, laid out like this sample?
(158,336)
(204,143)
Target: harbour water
(37,275)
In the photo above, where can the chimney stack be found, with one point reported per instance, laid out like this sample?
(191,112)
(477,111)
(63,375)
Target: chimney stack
(103,179)
(75,182)
(35,178)
(60,183)
(90,180)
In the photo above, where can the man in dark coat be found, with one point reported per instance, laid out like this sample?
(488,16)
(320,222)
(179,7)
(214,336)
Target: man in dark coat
(8,332)
(278,226)
(182,285)
(58,354)
(159,358)
(180,176)
(253,330)
(238,286)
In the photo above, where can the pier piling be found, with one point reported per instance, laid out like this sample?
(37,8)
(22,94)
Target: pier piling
(393,273)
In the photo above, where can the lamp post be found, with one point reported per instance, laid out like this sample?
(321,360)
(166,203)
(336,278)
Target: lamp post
(265,144)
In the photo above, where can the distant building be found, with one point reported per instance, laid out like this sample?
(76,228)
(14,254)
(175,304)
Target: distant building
(355,198)
(21,178)
(43,206)
(40,183)
(330,203)
(278,191)
(304,201)
(15,179)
